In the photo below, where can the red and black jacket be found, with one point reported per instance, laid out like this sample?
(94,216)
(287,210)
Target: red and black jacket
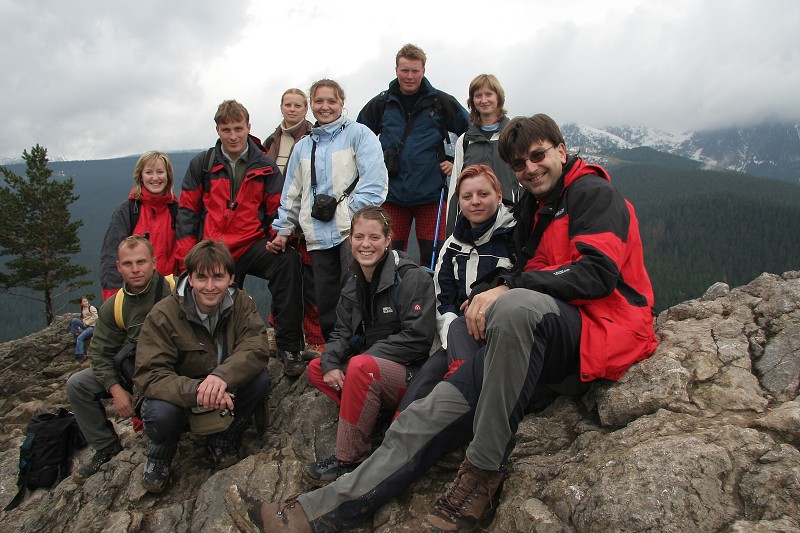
(207,211)
(590,255)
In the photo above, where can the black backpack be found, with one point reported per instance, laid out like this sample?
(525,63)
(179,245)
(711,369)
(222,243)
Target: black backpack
(45,456)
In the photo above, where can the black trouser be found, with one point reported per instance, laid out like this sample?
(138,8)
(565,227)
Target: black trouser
(329,268)
(284,272)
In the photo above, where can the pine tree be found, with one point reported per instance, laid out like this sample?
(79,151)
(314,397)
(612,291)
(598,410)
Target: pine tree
(37,234)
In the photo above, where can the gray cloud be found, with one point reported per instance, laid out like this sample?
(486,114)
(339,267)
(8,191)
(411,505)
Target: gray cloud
(92,79)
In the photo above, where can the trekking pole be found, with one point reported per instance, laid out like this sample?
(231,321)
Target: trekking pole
(436,235)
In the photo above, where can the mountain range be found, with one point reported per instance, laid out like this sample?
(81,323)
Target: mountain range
(770,150)
(701,221)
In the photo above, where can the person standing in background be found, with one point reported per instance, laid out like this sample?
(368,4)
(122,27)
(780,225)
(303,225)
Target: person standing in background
(413,120)
(339,163)
(488,116)
(279,146)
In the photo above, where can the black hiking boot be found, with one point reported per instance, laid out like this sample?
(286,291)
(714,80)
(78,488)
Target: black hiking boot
(327,470)
(293,363)
(100,457)
(156,475)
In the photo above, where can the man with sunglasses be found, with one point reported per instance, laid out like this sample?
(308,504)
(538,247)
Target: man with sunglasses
(576,307)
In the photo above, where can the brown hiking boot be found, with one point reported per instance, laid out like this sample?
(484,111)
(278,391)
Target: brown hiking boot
(468,499)
(253,516)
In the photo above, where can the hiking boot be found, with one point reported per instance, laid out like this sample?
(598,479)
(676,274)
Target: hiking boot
(469,498)
(313,351)
(223,456)
(327,470)
(293,364)
(100,457)
(156,475)
(253,516)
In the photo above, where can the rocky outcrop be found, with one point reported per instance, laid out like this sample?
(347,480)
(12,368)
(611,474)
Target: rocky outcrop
(703,436)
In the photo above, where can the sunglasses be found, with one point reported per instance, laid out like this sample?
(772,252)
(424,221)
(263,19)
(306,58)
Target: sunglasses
(518,165)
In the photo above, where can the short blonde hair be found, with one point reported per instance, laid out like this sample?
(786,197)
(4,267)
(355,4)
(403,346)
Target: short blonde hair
(231,111)
(412,52)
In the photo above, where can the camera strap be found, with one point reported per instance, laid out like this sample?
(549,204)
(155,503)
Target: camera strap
(346,192)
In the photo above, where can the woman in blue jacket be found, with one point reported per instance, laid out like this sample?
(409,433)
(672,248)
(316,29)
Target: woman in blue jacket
(342,162)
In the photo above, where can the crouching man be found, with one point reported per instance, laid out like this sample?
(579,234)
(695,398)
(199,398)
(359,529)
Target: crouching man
(200,364)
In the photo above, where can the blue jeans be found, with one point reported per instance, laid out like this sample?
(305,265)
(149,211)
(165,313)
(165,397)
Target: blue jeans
(76,328)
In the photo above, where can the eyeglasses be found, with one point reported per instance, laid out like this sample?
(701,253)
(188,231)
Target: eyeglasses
(518,165)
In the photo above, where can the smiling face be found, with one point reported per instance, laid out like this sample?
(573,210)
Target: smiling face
(234,137)
(409,74)
(368,244)
(154,177)
(209,288)
(293,109)
(486,103)
(478,199)
(540,178)
(326,105)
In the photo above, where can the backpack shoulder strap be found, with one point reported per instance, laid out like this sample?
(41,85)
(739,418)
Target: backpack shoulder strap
(399,274)
(118,299)
(133,213)
(173,213)
(207,169)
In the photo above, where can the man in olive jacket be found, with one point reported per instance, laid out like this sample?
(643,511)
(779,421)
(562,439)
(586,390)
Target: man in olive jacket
(88,388)
(201,349)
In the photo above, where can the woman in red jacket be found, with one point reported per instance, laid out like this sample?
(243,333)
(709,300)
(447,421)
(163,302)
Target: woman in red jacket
(149,211)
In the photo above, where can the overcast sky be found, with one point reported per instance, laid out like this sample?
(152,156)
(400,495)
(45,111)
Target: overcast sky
(99,79)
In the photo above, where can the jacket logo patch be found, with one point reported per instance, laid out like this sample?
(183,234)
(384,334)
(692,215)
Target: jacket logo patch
(417,307)
(387,310)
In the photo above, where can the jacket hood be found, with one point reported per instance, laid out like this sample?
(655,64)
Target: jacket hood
(502,222)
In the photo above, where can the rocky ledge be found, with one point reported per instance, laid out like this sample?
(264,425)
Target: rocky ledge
(703,436)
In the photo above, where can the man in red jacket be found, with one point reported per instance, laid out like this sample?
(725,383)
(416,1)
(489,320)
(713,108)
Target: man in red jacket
(231,193)
(577,307)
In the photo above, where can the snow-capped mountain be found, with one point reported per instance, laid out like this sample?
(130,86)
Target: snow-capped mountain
(769,150)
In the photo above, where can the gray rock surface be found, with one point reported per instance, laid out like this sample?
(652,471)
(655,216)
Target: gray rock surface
(703,436)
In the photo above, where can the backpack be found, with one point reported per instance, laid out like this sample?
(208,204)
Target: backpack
(125,359)
(46,453)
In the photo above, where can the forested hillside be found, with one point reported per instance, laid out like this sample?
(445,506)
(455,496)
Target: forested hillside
(701,226)
(698,226)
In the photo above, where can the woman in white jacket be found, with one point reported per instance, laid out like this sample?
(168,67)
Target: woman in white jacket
(341,162)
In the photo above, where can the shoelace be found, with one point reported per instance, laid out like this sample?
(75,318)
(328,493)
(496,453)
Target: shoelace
(287,503)
(450,504)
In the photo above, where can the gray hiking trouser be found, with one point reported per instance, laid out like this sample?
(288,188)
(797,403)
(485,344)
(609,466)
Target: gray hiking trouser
(532,340)
(86,396)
